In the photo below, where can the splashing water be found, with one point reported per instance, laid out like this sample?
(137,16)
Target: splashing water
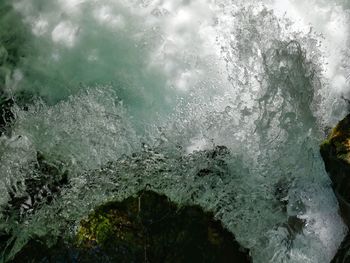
(138,94)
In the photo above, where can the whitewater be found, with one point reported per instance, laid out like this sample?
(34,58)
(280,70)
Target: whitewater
(122,95)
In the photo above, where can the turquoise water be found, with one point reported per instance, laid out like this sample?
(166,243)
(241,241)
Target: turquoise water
(123,95)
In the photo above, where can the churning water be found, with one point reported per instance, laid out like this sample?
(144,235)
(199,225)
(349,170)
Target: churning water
(127,94)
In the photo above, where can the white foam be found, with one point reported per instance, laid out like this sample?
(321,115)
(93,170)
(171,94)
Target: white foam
(105,15)
(330,20)
(65,33)
(40,27)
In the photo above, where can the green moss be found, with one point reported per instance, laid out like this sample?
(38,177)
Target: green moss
(144,228)
(335,151)
(98,228)
(338,142)
(150,226)
(108,223)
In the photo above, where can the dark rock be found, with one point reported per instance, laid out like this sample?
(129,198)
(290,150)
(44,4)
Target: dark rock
(145,228)
(335,152)
(342,255)
(295,225)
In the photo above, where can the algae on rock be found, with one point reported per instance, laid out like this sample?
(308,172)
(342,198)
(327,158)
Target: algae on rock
(335,151)
(146,228)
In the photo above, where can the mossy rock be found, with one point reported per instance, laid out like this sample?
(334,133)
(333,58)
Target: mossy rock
(339,141)
(149,228)
(335,152)
(144,228)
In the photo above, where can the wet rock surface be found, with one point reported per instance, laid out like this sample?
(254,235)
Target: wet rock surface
(343,253)
(335,152)
(144,228)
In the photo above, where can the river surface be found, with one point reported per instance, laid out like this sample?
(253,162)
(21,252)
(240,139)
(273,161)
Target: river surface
(127,94)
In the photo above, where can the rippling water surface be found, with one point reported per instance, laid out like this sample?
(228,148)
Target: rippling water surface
(122,95)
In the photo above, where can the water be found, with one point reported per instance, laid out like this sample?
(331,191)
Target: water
(125,95)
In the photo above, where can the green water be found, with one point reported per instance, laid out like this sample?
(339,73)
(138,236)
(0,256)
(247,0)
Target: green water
(127,95)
